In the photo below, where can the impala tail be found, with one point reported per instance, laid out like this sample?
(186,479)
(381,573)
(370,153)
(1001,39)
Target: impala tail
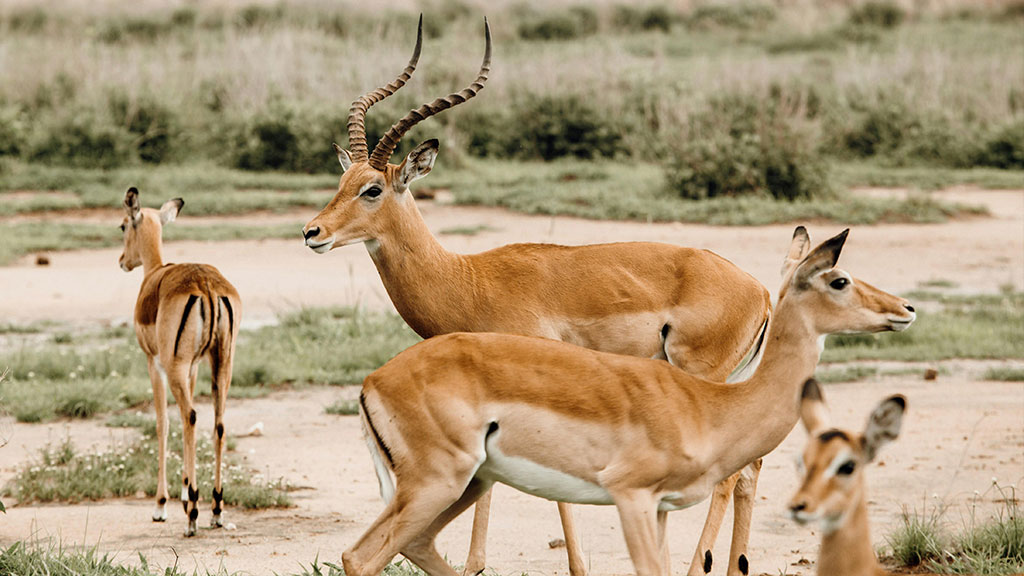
(382,460)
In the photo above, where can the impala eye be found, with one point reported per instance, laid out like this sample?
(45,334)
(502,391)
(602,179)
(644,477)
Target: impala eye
(847,468)
(121,227)
(372,192)
(839,283)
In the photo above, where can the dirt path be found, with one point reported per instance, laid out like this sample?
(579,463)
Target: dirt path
(959,433)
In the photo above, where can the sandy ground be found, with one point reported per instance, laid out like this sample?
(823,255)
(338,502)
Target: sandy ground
(959,434)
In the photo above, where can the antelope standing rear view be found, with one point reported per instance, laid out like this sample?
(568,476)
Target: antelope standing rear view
(185,312)
(611,297)
(454,414)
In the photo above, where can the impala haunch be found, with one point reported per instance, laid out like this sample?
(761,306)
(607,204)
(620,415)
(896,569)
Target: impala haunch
(454,414)
(184,313)
(833,493)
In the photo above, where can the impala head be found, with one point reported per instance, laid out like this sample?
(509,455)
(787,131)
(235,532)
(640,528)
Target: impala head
(837,302)
(142,227)
(372,189)
(834,460)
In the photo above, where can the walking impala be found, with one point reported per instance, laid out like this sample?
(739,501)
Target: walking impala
(456,413)
(185,312)
(610,297)
(833,492)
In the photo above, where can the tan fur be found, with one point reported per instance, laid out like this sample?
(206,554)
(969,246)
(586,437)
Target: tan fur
(845,550)
(175,343)
(649,434)
(608,297)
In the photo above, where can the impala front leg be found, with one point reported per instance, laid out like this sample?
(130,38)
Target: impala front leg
(638,512)
(158,379)
(478,542)
(702,557)
(743,508)
(572,540)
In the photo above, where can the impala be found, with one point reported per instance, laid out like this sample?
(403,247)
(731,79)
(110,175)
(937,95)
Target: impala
(610,297)
(454,414)
(833,492)
(185,312)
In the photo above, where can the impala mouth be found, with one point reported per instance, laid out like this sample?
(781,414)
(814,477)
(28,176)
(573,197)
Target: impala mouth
(900,324)
(320,247)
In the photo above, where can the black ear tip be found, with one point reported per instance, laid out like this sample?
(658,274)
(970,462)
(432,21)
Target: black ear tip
(180,202)
(133,190)
(899,400)
(800,231)
(812,390)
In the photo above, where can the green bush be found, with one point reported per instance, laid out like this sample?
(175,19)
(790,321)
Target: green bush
(879,13)
(741,147)
(1005,148)
(13,130)
(27,20)
(80,138)
(574,22)
(544,127)
(632,18)
(153,125)
(740,15)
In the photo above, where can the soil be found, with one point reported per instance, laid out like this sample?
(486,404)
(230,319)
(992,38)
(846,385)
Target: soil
(960,435)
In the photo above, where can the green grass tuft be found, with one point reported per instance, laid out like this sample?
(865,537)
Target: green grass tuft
(343,408)
(1005,374)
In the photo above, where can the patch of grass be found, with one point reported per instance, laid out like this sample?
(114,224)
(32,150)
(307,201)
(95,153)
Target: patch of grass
(62,474)
(27,237)
(337,346)
(466,230)
(938,283)
(977,326)
(850,174)
(920,537)
(38,558)
(617,191)
(1005,374)
(343,408)
(854,373)
(131,420)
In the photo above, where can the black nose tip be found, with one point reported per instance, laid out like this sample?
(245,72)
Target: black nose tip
(311,233)
(798,507)
(908,307)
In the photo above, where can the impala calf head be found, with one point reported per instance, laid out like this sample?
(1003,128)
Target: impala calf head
(373,191)
(142,227)
(833,462)
(840,303)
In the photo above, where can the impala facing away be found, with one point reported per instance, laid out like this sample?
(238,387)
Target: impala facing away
(833,492)
(611,297)
(185,312)
(454,414)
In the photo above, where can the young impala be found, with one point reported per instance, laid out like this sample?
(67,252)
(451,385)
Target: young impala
(610,297)
(185,312)
(454,414)
(833,492)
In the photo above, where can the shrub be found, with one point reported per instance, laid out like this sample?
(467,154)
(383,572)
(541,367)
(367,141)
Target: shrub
(80,138)
(646,18)
(1005,148)
(13,130)
(153,125)
(27,20)
(741,15)
(740,147)
(258,15)
(879,13)
(575,22)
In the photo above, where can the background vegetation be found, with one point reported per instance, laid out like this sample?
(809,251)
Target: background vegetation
(726,98)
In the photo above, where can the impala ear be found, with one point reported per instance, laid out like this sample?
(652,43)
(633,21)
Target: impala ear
(132,206)
(813,411)
(344,158)
(883,425)
(798,249)
(169,211)
(822,258)
(418,163)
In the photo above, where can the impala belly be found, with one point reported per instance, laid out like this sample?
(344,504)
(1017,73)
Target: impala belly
(536,479)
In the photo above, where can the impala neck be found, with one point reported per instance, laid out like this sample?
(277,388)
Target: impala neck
(847,551)
(151,247)
(412,263)
(770,400)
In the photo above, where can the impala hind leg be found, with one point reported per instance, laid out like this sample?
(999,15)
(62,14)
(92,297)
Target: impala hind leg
(703,559)
(179,380)
(638,512)
(743,507)
(413,511)
(159,381)
(221,375)
(478,543)
(422,550)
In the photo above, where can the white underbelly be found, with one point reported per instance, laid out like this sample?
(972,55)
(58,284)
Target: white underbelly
(535,479)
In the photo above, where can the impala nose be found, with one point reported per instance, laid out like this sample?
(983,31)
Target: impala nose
(908,307)
(798,507)
(311,233)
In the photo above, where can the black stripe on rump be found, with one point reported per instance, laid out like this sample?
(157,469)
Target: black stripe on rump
(376,436)
(231,314)
(184,318)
